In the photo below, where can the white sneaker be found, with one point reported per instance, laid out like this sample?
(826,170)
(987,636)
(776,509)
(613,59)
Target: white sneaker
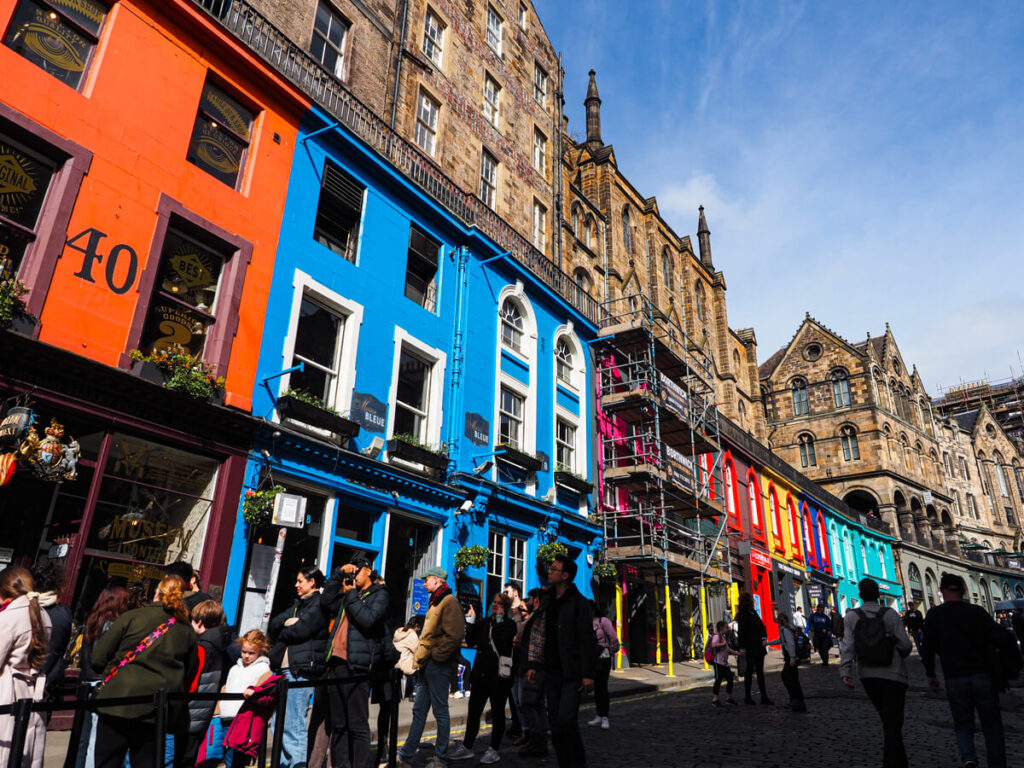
(490,756)
(596,721)
(459,751)
(604,724)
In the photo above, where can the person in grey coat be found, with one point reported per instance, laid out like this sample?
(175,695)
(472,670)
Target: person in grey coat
(886,686)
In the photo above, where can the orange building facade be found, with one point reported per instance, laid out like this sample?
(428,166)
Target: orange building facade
(144,161)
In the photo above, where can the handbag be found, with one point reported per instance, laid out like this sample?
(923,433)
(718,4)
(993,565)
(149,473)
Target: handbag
(131,655)
(504,662)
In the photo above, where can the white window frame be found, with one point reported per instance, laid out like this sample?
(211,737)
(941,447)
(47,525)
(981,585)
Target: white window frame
(426,130)
(304,285)
(489,186)
(336,18)
(436,388)
(515,388)
(570,421)
(540,152)
(563,367)
(518,333)
(492,106)
(540,85)
(434,37)
(755,506)
(513,550)
(495,29)
(522,16)
(540,226)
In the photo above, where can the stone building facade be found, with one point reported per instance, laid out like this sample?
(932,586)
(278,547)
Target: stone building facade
(616,243)
(475,85)
(856,419)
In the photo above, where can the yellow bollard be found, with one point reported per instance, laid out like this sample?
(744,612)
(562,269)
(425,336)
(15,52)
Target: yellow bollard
(734,597)
(618,624)
(704,619)
(668,627)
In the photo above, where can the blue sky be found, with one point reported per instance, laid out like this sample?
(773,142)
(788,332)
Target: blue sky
(863,162)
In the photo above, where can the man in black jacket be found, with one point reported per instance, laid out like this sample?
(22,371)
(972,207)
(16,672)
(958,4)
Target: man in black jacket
(569,659)
(964,635)
(359,607)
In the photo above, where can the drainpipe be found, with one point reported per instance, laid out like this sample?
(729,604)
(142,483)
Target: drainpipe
(455,393)
(604,254)
(557,165)
(398,64)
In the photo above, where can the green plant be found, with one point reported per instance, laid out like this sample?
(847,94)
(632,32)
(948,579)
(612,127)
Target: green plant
(546,552)
(11,303)
(471,557)
(258,506)
(309,399)
(408,439)
(604,570)
(185,373)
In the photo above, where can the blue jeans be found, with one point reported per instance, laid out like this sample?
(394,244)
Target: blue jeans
(86,757)
(432,685)
(293,743)
(966,694)
(563,700)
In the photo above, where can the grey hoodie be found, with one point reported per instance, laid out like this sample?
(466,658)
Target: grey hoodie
(897,669)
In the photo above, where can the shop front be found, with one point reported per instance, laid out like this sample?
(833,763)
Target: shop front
(890,593)
(762,586)
(117,476)
(821,589)
(789,587)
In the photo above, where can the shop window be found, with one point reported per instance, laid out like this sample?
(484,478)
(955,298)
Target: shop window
(338,211)
(421,269)
(57,36)
(511,410)
(318,344)
(221,135)
(328,42)
(505,563)
(25,178)
(412,396)
(355,524)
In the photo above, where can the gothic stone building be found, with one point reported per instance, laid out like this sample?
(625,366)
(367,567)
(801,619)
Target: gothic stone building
(856,419)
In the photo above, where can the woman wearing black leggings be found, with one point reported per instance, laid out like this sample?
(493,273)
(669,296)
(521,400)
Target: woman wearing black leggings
(493,639)
(753,637)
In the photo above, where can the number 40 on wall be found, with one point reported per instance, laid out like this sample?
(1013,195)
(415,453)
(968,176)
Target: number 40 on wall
(87,242)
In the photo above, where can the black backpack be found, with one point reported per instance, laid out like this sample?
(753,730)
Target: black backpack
(872,643)
(1007,663)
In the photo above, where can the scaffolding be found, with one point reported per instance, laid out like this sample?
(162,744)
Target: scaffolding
(661,469)
(1004,398)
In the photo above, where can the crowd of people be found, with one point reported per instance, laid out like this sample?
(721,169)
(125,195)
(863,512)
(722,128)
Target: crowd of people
(534,657)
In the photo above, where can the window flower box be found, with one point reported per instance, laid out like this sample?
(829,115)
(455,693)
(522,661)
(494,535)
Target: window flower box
(401,447)
(518,458)
(305,411)
(572,482)
(180,371)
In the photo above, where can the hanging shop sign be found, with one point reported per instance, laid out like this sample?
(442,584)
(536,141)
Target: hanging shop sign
(289,510)
(370,412)
(478,429)
(51,458)
(14,426)
(760,559)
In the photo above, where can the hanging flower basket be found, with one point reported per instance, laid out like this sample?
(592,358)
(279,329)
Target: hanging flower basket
(258,506)
(604,571)
(471,557)
(185,373)
(546,552)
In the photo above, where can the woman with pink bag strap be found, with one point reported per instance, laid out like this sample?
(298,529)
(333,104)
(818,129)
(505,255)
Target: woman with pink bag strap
(607,647)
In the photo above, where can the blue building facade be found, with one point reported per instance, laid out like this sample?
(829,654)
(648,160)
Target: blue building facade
(422,392)
(860,551)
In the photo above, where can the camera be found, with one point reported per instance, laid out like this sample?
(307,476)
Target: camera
(348,578)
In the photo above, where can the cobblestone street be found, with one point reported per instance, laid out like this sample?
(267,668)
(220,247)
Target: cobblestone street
(682,729)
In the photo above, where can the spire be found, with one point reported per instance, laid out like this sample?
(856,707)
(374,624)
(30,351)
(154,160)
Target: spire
(593,105)
(704,240)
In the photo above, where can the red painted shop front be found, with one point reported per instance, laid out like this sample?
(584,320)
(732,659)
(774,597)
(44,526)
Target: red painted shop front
(763,588)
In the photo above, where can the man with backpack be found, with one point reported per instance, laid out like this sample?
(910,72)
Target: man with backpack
(965,638)
(875,646)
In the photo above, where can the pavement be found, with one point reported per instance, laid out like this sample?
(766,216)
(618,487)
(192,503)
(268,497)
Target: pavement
(662,720)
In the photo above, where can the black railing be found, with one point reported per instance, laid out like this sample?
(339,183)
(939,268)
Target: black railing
(302,70)
(737,437)
(160,700)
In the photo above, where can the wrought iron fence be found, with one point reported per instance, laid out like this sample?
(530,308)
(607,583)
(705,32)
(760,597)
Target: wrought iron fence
(306,73)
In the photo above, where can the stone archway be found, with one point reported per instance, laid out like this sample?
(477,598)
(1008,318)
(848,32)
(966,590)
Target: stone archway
(930,588)
(903,516)
(949,532)
(920,521)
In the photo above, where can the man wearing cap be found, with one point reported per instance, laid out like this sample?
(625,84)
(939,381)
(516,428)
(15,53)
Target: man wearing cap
(435,659)
(964,636)
(359,607)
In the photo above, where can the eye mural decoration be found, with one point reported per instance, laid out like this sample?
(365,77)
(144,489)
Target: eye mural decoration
(24,180)
(221,135)
(58,37)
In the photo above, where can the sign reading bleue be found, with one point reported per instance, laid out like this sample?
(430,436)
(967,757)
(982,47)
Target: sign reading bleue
(370,412)
(478,429)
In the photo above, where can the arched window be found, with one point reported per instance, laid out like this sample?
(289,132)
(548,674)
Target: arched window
(627,234)
(731,496)
(511,326)
(588,232)
(563,361)
(807,457)
(741,410)
(666,269)
(864,557)
(965,473)
(575,222)
(848,439)
(841,388)
(582,277)
(794,528)
(1004,487)
(808,536)
(823,557)
(881,564)
(754,497)
(776,512)
(698,301)
(799,387)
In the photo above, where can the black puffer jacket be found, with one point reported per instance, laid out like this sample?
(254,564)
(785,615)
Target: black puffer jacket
(306,638)
(213,644)
(60,638)
(752,633)
(366,612)
(479,636)
(577,647)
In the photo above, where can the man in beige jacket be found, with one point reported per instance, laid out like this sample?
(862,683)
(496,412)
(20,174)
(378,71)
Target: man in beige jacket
(435,659)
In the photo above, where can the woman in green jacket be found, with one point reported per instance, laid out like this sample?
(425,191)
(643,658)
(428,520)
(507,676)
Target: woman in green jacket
(145,650)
